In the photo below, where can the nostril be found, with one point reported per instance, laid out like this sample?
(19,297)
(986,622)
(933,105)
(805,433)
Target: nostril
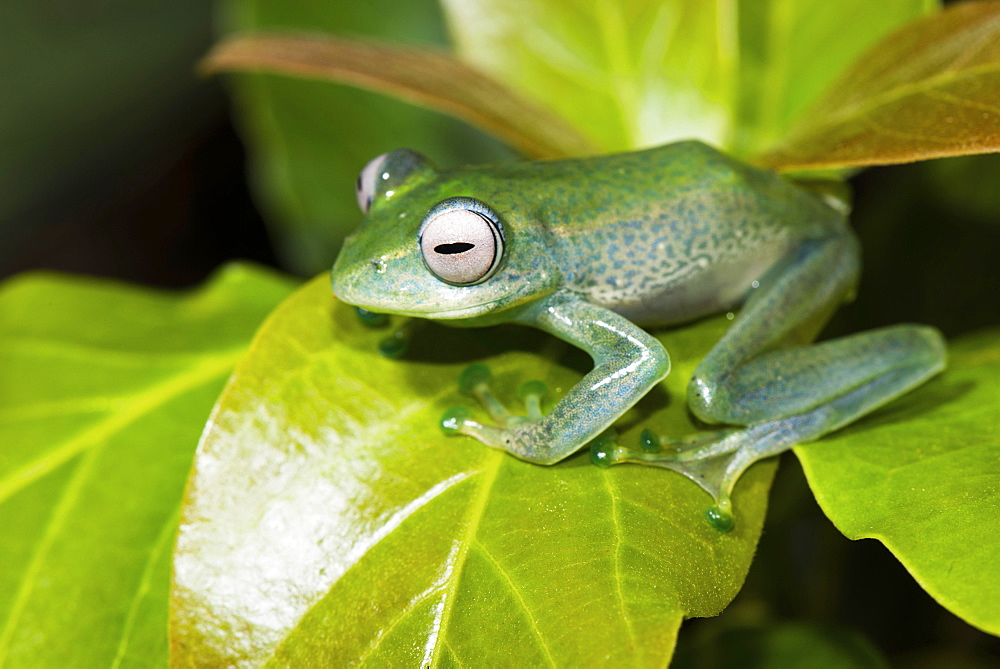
(378,264)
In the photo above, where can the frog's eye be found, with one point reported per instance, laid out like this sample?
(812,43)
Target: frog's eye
(461,241)
(367,182)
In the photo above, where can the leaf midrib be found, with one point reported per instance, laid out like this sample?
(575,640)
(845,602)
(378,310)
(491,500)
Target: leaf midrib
(490,470)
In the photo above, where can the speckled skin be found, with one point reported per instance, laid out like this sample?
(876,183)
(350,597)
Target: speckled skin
(595,247)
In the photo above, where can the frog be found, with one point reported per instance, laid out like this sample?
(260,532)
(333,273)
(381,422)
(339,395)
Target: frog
(599,250)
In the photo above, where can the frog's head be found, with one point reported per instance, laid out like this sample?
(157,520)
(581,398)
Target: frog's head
(430,248)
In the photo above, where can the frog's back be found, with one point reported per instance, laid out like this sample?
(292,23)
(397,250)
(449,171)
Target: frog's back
(679,231)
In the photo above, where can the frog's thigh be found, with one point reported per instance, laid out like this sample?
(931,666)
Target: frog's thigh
(874,366)
(743,380)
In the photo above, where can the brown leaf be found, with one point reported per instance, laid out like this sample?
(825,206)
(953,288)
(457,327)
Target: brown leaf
(930,90)
(421,76)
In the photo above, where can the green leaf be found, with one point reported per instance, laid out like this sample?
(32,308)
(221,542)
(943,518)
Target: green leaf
(308,140)
(791,51)
(628,74)
(645,72)
(104,392)
(329,521)
(422,76)
(923,477)
(930,90)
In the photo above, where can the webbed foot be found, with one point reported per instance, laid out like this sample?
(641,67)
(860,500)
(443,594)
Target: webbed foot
(714,460)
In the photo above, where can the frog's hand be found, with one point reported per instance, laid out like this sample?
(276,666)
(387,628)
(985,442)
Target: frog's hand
(627,363)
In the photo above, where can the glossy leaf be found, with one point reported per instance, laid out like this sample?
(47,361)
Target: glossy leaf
(930,90)
(308,139)
(422,76)
(103,393)
(330,522)
(923,477)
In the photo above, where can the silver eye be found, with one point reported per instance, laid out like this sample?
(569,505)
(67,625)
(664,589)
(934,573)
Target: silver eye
(461,241)
(367,181)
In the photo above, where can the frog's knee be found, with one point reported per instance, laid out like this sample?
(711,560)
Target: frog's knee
(708,400)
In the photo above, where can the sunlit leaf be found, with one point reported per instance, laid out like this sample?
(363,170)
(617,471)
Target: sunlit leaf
(628,74)
(637,73)
(103,393)
(923,477)
(329,521)
(422,76)
(929,90)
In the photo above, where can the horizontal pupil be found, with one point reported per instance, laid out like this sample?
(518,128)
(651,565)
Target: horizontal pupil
(457,247)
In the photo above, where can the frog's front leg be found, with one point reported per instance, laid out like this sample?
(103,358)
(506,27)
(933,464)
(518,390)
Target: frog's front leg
(627,363)
(783,394)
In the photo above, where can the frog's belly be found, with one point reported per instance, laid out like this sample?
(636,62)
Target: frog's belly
(693,290)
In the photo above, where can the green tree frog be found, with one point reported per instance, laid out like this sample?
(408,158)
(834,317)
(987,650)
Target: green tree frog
(590,249)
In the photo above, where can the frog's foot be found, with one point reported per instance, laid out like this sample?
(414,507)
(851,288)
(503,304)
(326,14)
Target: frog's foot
(713,460)
(475,381)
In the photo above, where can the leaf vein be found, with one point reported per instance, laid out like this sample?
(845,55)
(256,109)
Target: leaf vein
(162,544)
(60,512)
(520,600)
(617,559)
(158,394)
(476,512)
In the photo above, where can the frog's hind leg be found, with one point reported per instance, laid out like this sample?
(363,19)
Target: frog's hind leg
(882,364)
(786,396)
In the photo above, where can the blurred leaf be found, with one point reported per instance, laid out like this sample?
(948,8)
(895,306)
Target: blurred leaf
(967,186)
(791,51)
(629,74)
(422,76)
(308,140)
(929,90)
(923,477)
(647,72)
(782,646)
(104,392)
(329,521)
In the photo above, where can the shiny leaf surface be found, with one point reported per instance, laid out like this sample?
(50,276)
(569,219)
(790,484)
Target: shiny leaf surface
(930,90)
(923,477)
(329,521)
(103,394)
